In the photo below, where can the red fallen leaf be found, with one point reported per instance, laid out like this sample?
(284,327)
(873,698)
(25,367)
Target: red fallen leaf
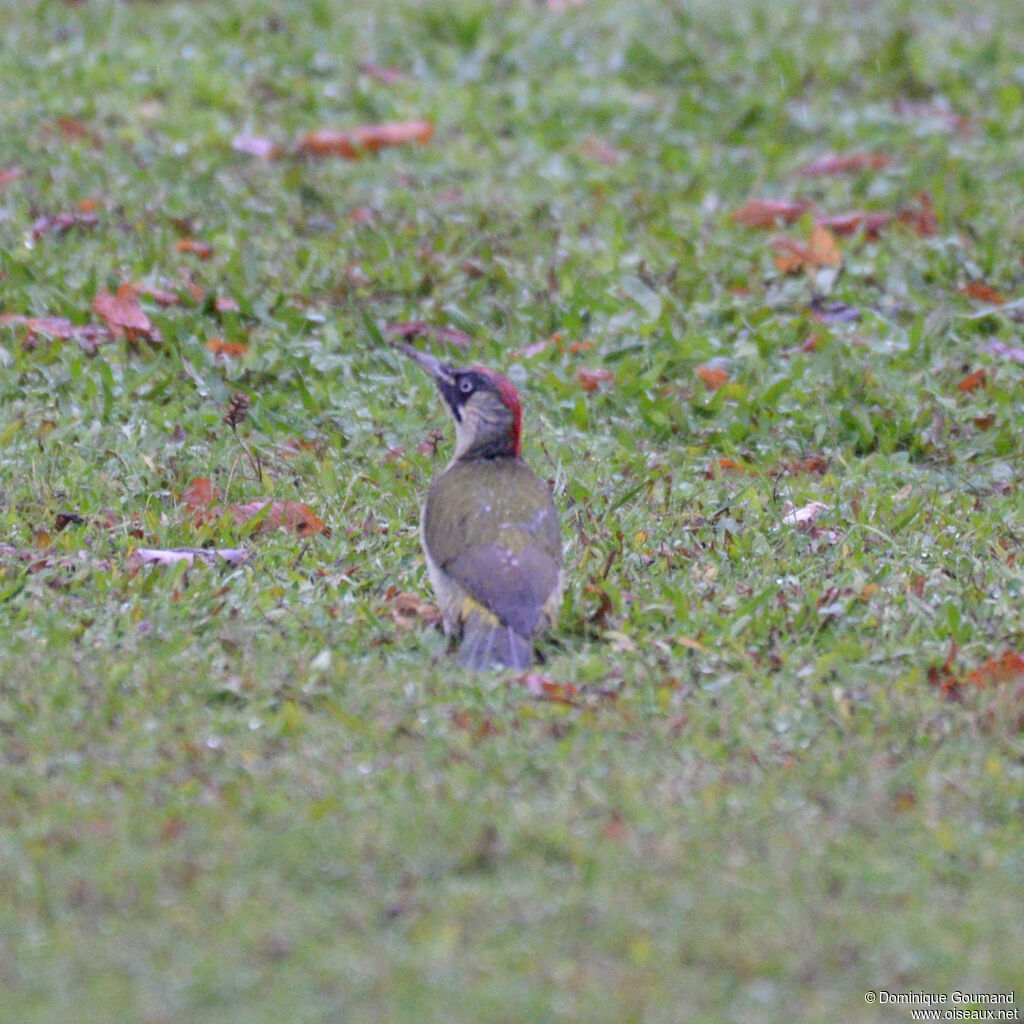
(226,304)
(982,292)
(821,250)
(290,515)
(194,246)
(813,464)
(768,213)
(71,128)
(984,422)
(591,380)
(122,314)
(921,218)
(845,224)
(9,174)
(972,381)
(62,223)
(713,376)
(355,142)
(220,347)
(446,335)
(200,493)
(844,163)
(724,465)
(253,145)
(88,205)
(604,152)
(88,336)
(1006,668)
(387,76)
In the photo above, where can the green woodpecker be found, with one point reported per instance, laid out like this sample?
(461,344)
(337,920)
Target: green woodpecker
(491,535)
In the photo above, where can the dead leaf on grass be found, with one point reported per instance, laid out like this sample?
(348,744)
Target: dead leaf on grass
(769,213)
(357,142)
(123,315)
(591,380)
(254,145)
(793,255)
(288,515)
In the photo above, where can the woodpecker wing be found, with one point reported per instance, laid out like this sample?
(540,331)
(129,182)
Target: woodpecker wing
(492,528)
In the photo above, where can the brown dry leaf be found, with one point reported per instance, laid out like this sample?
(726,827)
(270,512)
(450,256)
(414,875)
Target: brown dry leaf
(73,129)
(1006,668)
(972,381)
(288,515)
(982,292)
(845,224)
(821,250)
(62,223)
(769,213)
(591,380)
(920,218)
(200,494)
(356,142)
(161,296)
(713,376)
(724,465)
(232,349)
(253,145)
(194,246)
(123,315)
(9,174)
(88,336)
(845,163)
(410,610)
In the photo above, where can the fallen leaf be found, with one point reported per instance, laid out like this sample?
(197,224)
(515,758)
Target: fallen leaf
(200,493)
(174,556)
(714,376)
(769,213)
(161,296)
(9,174)
(356,142)
(410,610)
(253,145)
(232,349)
(591,380)
(62,223)
(226,304)
(1006,668)
(723,465)
(194,246)
(289,515)
(845,224)
(805,515)
(71,128)
(972,381)
(982,292)
(821,250)
(122,314)
(88,336)
(844,163)
(542,686)
(920,218)
(419,328)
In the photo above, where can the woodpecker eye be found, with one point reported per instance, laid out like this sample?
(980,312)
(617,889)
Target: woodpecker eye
(465,386)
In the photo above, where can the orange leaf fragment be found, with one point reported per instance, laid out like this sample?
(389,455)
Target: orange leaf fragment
(538,685)
(353,143)
(220,347)
(1007,668)
(972,381)
(982,292)
(194,246)
(200,494)
(768,213)
(289,515)
(844,163)
(713,376)
(591,380)
(89,205)
(123,315)
(409,610)
(821,250)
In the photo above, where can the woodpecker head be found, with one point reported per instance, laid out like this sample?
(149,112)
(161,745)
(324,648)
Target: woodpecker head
(483,403)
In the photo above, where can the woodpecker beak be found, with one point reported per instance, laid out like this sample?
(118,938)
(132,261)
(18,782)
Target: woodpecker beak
(441,372)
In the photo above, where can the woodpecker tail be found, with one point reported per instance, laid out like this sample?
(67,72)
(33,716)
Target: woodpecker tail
(489,643)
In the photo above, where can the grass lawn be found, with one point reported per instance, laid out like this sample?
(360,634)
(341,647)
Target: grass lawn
(768,764)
